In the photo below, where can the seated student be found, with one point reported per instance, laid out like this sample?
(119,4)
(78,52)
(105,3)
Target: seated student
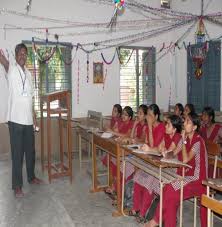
(188,109)
(194,154)
(209,129)
(172,144)
(138,133)
(122,129)
(115,121)
(116,116)
(154,139)
(178,109)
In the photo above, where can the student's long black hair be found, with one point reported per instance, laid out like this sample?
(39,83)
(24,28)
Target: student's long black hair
(155,109)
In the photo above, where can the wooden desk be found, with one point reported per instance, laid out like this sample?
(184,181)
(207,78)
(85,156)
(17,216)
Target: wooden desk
(85,131)
(87,125)
(152,165)
(210,183)
(113,149)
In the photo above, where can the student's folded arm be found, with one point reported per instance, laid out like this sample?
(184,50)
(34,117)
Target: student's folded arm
(189,156)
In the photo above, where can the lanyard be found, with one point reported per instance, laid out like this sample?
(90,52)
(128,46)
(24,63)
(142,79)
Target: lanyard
(23,80)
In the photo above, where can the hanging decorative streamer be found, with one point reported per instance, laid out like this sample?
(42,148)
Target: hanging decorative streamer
(110,62)
(120,60)
(33,55)
(87,68)
(104,80)
(28,7)
(184,45)
(162,48)
(4,32)
(47,56)
(169,99)
(78,83)
(63,59)
(132,38)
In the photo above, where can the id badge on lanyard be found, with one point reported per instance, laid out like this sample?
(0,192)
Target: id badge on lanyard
(24,92)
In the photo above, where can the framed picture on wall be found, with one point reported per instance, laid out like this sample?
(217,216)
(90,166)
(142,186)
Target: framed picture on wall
(97,72)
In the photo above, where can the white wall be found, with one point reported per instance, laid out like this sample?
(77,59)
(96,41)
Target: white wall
(170,70)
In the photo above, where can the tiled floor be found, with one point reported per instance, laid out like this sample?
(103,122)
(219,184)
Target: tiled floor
(61,203)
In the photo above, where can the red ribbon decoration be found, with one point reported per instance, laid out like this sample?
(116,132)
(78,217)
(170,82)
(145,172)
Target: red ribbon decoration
(78,84)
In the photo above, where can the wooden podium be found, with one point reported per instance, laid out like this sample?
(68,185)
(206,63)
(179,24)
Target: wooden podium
(63,167)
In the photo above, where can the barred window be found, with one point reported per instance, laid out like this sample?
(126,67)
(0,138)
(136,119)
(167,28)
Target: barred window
(137,76)
(49,76)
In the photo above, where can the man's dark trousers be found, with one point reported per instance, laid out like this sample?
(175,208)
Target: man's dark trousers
(22,142)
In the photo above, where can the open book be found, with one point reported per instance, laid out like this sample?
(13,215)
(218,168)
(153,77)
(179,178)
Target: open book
(136,148)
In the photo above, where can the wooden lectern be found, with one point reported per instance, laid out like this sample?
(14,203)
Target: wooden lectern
(63,167)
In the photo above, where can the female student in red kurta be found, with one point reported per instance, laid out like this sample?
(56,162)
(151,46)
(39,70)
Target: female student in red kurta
(122,129)
(209,129)
(138,134)
(116,115)
(125,125)
(178,110)
(154,139)
(115,121)
(171,147)
(194,154)
(188,109)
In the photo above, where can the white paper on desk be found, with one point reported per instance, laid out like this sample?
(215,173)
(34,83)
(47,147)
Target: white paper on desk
(174,161)
(138,151)
(107,135)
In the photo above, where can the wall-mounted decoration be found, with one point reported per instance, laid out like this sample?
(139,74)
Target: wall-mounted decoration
(97,72)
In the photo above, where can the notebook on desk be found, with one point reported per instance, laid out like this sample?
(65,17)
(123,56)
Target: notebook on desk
(174,161)
(107,135)
(139,151)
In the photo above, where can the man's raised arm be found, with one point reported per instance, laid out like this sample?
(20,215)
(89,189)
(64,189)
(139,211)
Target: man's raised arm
(4,61)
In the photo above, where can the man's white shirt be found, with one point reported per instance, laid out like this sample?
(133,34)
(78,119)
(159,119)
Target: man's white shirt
(20,109)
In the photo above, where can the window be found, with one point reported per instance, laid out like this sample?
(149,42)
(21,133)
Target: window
(205,91)
(52,76)
(137,76)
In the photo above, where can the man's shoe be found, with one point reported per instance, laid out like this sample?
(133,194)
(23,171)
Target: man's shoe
(19,193)
(36,181)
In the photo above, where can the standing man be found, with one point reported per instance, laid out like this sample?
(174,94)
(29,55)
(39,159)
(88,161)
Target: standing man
(20,118)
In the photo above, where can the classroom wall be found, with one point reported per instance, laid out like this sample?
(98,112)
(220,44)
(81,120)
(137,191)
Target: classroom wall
(170,70)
